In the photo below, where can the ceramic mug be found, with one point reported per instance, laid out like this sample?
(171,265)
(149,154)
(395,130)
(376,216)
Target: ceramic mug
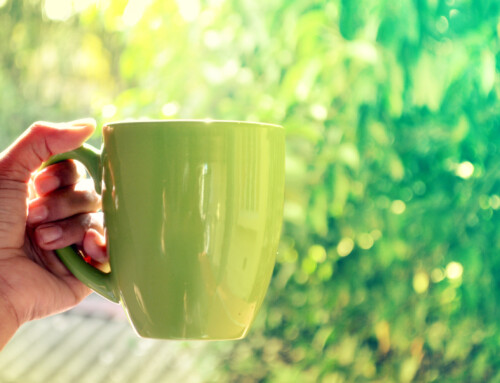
(192,213)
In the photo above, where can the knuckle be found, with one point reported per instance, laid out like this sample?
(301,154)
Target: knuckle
(63,169)
(37,125)
(66,173)
(76,225)
(85,221)
(86,198)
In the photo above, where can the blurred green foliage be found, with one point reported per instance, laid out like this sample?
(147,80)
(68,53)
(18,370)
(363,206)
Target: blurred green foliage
(389,266)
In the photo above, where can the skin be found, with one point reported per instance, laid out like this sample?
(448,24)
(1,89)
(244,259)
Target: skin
(40,212)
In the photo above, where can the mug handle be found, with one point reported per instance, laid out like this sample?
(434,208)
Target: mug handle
(100,282)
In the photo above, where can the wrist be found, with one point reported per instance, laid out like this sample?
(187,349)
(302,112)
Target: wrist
(9,321)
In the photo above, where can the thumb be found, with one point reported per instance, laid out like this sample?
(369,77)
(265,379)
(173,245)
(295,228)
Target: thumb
(38,143)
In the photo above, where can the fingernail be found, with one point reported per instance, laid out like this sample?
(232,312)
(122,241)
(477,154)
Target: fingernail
(49,233)
(37,214)
(48,184)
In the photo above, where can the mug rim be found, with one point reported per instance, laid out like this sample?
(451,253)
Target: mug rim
(207,121)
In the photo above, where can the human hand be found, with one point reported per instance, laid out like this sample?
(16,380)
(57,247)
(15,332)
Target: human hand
(63,211)
(33,282)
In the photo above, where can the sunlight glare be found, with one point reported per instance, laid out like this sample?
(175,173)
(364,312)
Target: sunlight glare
(454,270)
(82,5)
(170,109)
(189,9)
(319,112)
(62,10)
(59,10)
(212,39)
(133,11)
(108,111)
(465,170)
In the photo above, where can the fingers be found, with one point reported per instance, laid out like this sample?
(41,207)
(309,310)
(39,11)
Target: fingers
(64,213)
(38,143)
(57,234)
(64,202)
(56,176)
(94,245)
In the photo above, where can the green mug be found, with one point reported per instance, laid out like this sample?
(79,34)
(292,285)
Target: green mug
(192,213)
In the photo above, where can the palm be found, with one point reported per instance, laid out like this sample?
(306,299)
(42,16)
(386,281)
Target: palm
(33,283)
(31,274)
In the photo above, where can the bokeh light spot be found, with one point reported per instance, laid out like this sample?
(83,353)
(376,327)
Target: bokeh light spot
(495,202)
(170,109)
(189,9)
(134,11)
(212,39)
(421,282)
(365,241)
(345,246)
(454,270)
(108,111)
(317,253)
(442,24)
(319,112)
(398,206)
(60,10)
(437,275)
(465,170)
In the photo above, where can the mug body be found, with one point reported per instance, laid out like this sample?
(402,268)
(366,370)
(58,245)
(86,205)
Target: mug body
(193,214)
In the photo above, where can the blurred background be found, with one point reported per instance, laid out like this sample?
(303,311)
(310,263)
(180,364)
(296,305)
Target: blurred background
(389,264)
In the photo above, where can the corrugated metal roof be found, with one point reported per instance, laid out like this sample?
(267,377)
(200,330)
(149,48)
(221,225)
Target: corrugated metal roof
(94,343)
